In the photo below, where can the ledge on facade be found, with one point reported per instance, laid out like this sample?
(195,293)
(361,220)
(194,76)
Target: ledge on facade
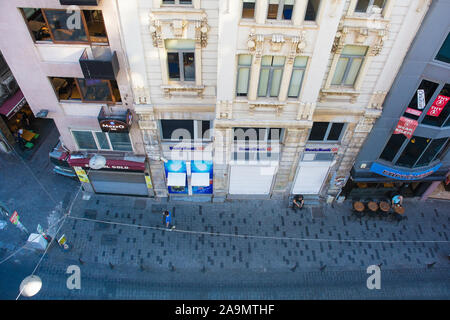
(278,105)
(182,88)
(186,9)
(278,24)
(339,91)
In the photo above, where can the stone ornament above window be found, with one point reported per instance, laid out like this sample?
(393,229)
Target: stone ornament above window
(255,44)
(179,29)
(374,39)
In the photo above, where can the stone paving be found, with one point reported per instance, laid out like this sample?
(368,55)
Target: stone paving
(253,235)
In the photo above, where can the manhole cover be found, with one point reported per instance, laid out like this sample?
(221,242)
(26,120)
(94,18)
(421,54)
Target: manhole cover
(109,239)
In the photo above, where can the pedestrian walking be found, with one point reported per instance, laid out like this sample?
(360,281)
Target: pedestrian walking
(168,220)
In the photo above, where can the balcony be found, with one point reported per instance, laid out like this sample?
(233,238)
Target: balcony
(79,2)
(103,64)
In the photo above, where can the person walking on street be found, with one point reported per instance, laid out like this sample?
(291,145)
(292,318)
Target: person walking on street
(168,220)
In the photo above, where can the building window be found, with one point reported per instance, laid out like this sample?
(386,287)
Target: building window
(311,10)
(181,59)
(86,90)
(416,106)
(297,76)
(438,113)
(248,9)
(280,9)
(257,144)
(177,1)
(394,144)
(432,152)
(348,66)
(412,152)
(367,5)
(444,53)
(326,131)
(62,26)
(270,76)
(98,140)
(179,130)
(243,75)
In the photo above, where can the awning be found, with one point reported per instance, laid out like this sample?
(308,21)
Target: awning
(11,106)
(200,179)
(116,163)
(176,179)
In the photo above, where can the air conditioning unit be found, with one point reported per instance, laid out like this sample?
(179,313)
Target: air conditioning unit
(11,84)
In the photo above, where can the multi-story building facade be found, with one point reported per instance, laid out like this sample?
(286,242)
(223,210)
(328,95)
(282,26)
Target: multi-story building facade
(69,61)
(407,150)
(275,97)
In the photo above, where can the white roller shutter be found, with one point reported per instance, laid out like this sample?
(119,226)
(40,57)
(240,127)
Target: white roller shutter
(310,177)
(251,179)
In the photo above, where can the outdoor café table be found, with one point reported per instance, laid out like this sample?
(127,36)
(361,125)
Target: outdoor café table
(373,206)
(384,206)
(399,210)
(358,206)
(28,135)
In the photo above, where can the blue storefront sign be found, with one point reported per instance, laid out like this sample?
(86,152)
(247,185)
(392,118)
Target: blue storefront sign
(176,166)
(203,167)
(402,175)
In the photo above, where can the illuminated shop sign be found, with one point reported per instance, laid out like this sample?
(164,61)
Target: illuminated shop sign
(402,175)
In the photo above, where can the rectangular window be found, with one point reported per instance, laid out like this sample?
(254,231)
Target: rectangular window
(257,144)
(181,59)
(243,75)
(311,10)
(62,26)
(326,131)
(248,9)
(367,5)
(414,109)
(297,76)
(413,151)
(431,152)
(86,90)
(177,1)
(270,76)
(439,111)
(66,88)
(348,65)
(394,144)
(280,9)
(95,90)
(444,53)
(84,140)
(179,130)
(98,140)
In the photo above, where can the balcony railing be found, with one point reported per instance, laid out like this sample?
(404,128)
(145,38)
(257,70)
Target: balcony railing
(104,64)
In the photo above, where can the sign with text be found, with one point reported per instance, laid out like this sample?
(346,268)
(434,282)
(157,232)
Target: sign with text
(81,174)
(421,99)
(437,106)
(406,127)
(402,175)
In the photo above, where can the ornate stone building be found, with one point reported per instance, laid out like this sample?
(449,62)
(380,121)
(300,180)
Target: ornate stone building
(270,97)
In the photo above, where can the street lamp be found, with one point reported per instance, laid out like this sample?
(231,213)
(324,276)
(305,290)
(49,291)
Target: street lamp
(30,286)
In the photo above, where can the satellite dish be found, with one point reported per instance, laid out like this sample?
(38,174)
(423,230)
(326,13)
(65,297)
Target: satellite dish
(30,286)
(97,162)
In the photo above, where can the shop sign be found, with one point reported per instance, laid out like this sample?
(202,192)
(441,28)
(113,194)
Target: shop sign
(406,127)
(14,218)
(334,150)
(413,111)
(113,126)
(81,174)
(437,106)
(148,181)
(402,175)
(17,108)
(420,99)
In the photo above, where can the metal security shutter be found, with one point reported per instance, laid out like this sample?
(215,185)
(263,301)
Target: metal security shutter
(251,179)
(310,177)
(131,183)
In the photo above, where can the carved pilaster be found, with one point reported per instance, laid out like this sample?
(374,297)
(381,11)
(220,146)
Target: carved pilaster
(201,32)
(155,31)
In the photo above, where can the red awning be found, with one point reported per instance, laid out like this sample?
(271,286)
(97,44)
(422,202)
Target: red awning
(13,104)
(138,163)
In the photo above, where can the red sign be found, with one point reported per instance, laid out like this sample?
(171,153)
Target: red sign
(413,111)
(406,126)
(14,218)
(437,106)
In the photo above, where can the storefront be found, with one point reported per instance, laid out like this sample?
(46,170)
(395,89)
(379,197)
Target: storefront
(189,169)
(384,181)
(313,169)
(120,175)
(255,160)
(16,114)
